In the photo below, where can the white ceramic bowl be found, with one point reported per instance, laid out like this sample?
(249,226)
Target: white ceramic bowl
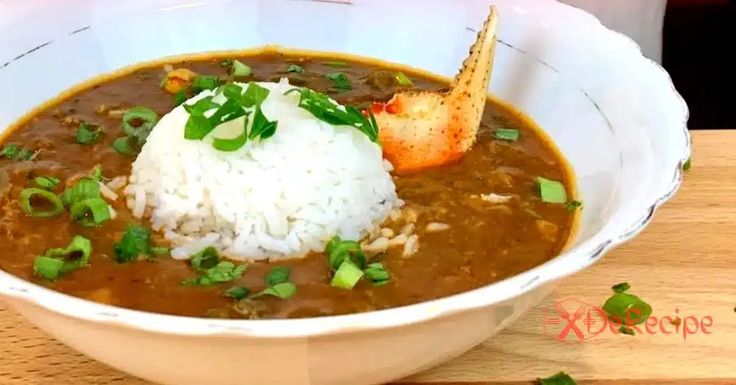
(614,114)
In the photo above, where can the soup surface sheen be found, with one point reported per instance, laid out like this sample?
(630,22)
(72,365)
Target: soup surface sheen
(467,238)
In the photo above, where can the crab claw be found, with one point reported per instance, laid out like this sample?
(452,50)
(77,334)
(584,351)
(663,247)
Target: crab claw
(427,129)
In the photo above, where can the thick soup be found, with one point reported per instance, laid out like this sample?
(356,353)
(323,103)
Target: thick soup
(505,207)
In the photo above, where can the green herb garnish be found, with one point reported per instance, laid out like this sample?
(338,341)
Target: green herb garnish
(18,153)
(278,275)
(90,212)
(339,251)
(294,69)
(57,262)
(239,69)
(204,82)
(340,81)
(205,259)
(551,191)
(232,144)
(327,110)
(621,287)
(40,203)
(46,182)
(88,133)
(179,98)
(626,308)
(686,166)
(224,271)
(377,274)
(262,127)
(96,174)
(335,64)
(85,188)
(136,242)
(507,134)
(573,205)
(123,146)
(237,292)
(347,275)
(138,123)
(226,63)
(403,80)
(560,378)
(282,290)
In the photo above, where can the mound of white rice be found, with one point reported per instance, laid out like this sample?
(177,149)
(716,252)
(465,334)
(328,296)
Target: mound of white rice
(280,197)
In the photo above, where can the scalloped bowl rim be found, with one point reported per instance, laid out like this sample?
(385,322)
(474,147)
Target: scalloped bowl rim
(554,269)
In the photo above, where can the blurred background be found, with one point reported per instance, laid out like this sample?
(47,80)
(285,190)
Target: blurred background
(695,40)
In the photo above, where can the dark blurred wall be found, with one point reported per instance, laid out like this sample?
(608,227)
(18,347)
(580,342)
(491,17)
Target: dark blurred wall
(700,54)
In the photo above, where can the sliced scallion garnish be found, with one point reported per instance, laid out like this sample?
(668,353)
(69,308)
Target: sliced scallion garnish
(224,271)
(179,98)
(46,182)
(40,203)
(335,64)
(507,134)
(136,242)
(16,152)
(573,205)
(90,212)
(240,70)
(327,110)
(626,308)
(85,188)
(282,290)
(88,133)
(205,82)
(138,122)
(294,69)
(560,378)
(340,81)
(403,80)
(551,191)
(278,275)
(205,259)
(57,262)
(123,146)
(237,292)
(377,274)
(346,276)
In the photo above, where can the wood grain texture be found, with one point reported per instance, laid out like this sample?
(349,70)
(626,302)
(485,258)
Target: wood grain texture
(683,265)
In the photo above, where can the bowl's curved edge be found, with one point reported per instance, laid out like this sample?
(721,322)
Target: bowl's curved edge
(298,328)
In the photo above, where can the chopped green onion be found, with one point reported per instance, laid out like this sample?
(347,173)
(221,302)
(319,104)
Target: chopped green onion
(90,212)
(232,144)
(254,95)
(160,250)
(224,271)
(295,69)
(262,127)
(627,308)
(57,262)
(573,205)
(560,378)
(52,205)
(138,123)
(282,290)
(205,259)
(621,287)
(377,274)
(278,275)
(46,182)
(346,276)
(338,251)
(686,166)
(135,242)
(205,82)
(96,174)
(326,110)
(226,63)
(551,191)
(335,64)
(48,268)
(340,81)
(403,80)
(179,98)
(123,146)
(237,292)
(15,152)
(88,133)
(507,134)
(239,69)
(85,188)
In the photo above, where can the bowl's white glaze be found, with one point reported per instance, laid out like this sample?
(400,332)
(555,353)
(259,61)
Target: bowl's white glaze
(613,113)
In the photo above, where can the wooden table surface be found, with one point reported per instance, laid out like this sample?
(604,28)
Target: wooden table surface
(683,265)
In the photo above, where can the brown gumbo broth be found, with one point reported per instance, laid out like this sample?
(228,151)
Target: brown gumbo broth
(485,240)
